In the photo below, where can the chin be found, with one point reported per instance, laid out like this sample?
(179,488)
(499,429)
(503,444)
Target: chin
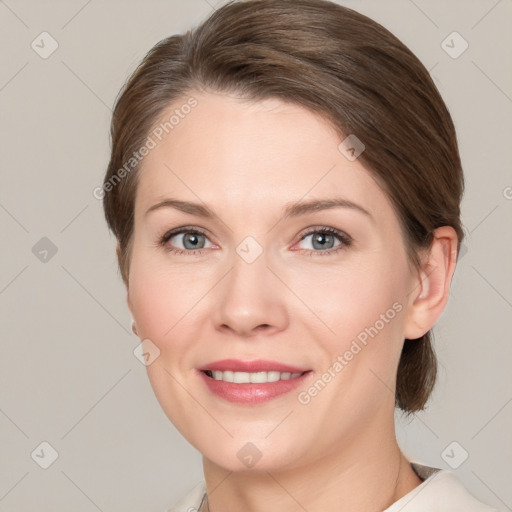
(251,460)
(254,457)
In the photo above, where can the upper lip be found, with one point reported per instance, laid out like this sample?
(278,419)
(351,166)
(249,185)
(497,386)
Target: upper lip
(258,365)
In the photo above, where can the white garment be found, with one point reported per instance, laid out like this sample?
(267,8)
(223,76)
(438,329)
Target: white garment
(440,491)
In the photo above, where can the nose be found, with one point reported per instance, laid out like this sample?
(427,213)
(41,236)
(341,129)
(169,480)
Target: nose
(250,300)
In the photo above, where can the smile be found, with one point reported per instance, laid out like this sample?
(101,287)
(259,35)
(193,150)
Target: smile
(251,377)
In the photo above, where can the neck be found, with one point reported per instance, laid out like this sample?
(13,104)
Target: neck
(368,475)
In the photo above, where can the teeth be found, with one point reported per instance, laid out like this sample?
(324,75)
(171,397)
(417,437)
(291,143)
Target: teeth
(253,377)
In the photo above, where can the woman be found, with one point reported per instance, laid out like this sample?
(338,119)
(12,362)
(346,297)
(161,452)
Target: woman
(284,186)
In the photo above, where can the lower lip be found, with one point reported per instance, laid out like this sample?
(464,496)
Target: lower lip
(252,393)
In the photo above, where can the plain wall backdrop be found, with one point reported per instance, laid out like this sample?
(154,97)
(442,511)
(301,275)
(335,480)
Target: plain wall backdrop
(68,375)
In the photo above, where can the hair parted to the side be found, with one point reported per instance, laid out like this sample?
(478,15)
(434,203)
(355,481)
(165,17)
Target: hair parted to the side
(335,62)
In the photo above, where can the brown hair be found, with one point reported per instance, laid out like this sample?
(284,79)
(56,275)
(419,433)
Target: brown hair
(333,61)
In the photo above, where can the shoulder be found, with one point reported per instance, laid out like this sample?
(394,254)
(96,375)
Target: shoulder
(441,491)
(191,501)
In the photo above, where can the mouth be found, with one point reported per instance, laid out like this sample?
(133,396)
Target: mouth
(251,382)
(251,377)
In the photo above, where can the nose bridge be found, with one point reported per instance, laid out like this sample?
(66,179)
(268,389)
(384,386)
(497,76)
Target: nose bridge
(250,267)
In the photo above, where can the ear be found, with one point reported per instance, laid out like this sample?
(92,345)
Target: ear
(128,301)
(431,287)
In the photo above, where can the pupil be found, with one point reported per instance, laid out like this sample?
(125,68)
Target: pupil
(188,239)
(320,238)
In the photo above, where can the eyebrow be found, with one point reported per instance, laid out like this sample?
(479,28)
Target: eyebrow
(294,209)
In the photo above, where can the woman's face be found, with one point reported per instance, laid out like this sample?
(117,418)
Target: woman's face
(260,280)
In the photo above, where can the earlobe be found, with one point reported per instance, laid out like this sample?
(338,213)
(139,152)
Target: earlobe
(432,286)
(128,301)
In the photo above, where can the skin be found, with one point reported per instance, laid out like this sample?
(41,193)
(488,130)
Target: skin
(246,161)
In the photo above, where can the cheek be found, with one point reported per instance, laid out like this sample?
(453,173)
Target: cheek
(161,298)
(162,306)
(347,300)
(364,311)
(152,304)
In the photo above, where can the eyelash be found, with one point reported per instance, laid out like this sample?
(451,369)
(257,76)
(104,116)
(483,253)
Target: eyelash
(345,240)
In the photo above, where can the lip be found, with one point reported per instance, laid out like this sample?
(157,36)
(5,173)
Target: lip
(258,365)
(251,393)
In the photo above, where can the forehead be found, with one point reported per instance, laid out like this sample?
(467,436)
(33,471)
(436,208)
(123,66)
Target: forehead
(231,151)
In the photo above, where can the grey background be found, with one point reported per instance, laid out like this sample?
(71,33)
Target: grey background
(68,375)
